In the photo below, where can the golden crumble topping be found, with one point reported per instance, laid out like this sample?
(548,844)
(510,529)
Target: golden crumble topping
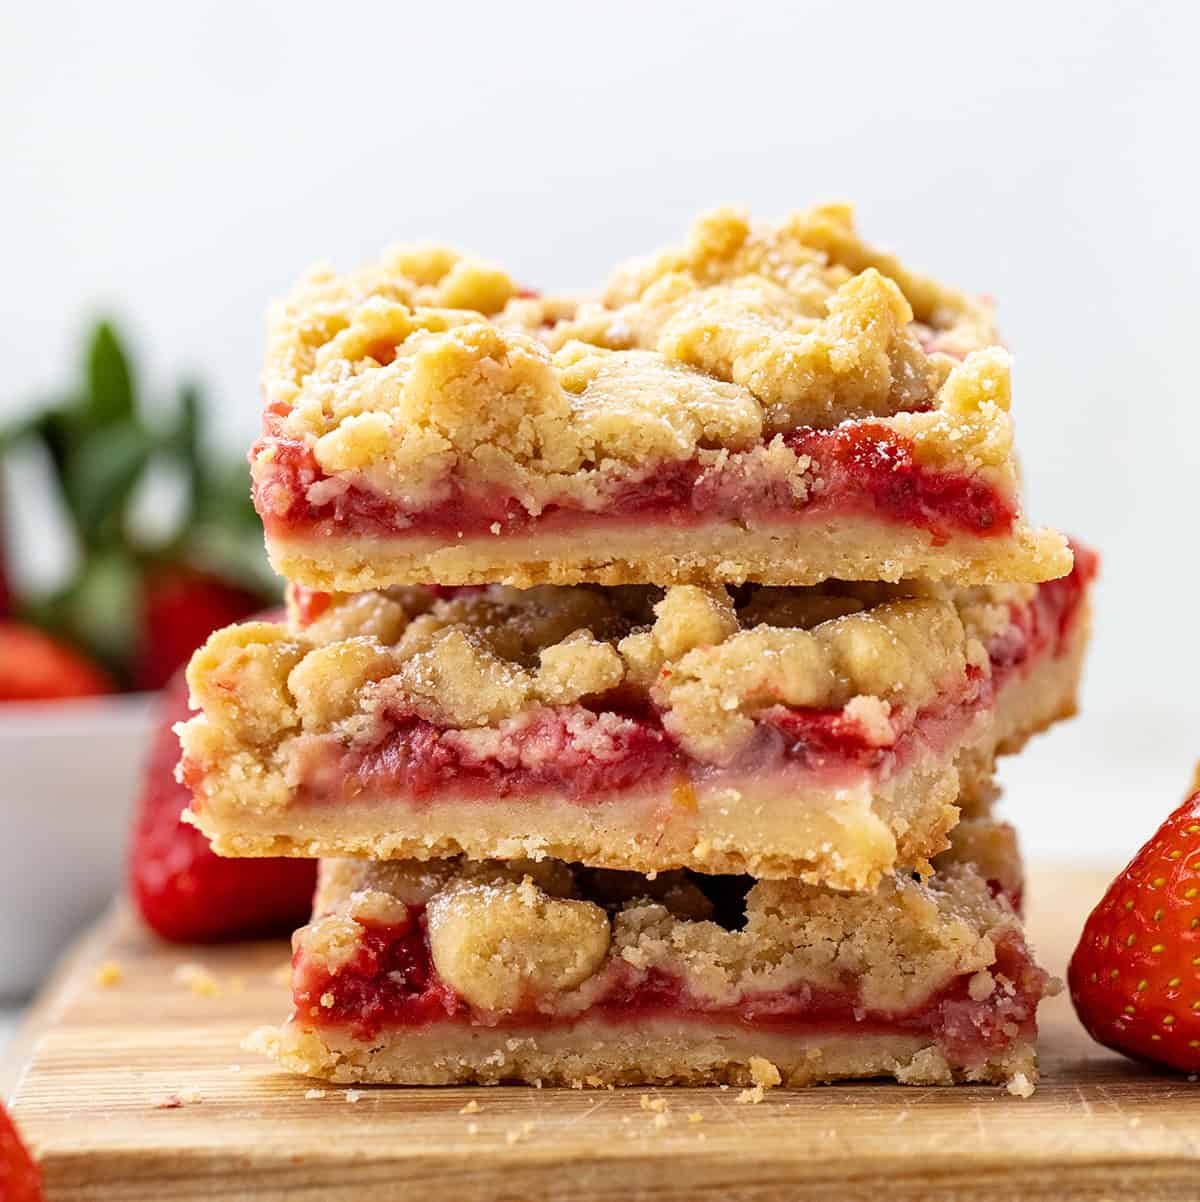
(506,940)
(712,661)
(429,365)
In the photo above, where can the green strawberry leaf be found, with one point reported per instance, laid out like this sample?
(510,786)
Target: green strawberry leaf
(100,453)
(185,443)
(106,608)
(110,382)
(98,612)
(102,473)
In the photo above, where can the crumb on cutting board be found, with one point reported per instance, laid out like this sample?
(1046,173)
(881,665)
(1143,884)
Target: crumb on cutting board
(765,1076)
(516,1134)
(108,974)
(197,978)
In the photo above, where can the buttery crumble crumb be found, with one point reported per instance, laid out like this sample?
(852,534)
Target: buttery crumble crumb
(312,1095)
(353,1095)
(472,1107)
(108,974)
(1020,1086)
(695,1117)
(763,1073)
(750,1097)
(516,1134)
(197,978)
(981,986)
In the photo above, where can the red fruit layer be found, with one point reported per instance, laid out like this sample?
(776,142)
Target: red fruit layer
(1044,626)
(866,460)
(865,469)
(589,756)
(391,982)
(555,752)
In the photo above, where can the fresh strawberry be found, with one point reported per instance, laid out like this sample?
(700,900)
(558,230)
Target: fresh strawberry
(181,607)
(187,893)
(36,667)
(20,1180)
(1135,976)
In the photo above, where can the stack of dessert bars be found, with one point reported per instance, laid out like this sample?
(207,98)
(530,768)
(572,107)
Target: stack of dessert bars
(646,661)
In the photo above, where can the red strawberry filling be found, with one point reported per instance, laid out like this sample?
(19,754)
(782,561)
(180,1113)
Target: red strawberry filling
(866,468)
(391,982)
(589,756)
(863,469)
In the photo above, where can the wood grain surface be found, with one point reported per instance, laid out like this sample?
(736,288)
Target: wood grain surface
(95,1077)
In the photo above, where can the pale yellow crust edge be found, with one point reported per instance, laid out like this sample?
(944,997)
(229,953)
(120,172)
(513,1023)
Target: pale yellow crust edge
(798,553)
(655,1052)
(1025,708)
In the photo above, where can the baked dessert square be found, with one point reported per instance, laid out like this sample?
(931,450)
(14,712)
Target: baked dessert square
(828,733)
(783,404)
(453,971)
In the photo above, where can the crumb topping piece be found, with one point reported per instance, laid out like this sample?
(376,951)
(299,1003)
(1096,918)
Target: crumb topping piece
(496,943)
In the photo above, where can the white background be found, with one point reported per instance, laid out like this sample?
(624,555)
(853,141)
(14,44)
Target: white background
(176,165)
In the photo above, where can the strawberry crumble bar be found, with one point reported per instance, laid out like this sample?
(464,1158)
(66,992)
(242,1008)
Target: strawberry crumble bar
(828,733)
(458,971)
(782,404)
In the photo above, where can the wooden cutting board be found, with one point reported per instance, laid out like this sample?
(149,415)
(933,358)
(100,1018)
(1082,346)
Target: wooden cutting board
(140,1090)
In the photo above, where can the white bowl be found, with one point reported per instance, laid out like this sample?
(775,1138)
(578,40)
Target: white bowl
(69,774)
